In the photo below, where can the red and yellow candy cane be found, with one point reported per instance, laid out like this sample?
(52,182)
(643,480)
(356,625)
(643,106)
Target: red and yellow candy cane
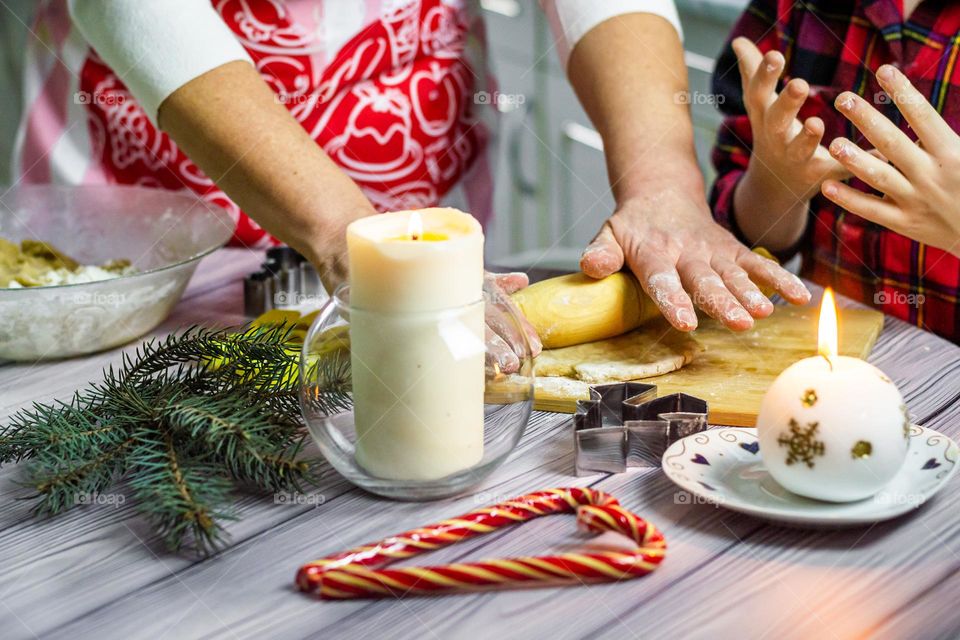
(357,574)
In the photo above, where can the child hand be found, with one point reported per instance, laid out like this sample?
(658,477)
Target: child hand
(787,154)
(922,186)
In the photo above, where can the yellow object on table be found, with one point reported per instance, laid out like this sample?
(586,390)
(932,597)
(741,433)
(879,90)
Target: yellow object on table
(575,308)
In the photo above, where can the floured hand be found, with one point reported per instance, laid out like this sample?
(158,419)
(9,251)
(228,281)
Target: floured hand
(504,343)
(682,257)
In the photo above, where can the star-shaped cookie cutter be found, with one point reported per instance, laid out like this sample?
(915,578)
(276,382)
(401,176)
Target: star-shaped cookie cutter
(625,425)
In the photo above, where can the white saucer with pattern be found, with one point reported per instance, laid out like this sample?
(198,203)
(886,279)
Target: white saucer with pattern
(723,467)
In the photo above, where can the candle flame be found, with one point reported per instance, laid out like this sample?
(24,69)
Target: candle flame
(415,226)
(827,336)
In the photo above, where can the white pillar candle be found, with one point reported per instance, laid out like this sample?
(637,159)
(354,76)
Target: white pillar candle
(833,427)
(417,342)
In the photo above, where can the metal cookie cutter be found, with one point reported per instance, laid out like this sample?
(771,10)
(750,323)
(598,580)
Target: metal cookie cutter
(285,279)
(626,425)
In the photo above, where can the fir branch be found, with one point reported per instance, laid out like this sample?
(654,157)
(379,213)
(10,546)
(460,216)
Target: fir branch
(159,355)
(64,483)
(216,419)
(327,383)
(184,497)
(272,465)
(76,429)
(185,419)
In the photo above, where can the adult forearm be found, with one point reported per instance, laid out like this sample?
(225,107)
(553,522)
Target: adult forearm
(630,76)
(230,124)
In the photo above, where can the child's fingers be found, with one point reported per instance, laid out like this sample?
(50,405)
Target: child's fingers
(885,136)
(748,58)
(931,128)
(748,61)
(805,144)
(863,204)
(763,86)
(747,51)
(781,117)
(879,175)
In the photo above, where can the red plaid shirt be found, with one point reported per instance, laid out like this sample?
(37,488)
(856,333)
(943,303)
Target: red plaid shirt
(836,47)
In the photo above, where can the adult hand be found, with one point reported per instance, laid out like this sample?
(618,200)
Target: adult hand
(677,252)
(327,248)
(662,228)
(505,343)
(922,185)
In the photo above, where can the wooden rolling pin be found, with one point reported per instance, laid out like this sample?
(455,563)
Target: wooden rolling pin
(574,309)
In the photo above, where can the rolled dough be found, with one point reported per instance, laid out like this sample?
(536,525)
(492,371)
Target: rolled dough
(651,350)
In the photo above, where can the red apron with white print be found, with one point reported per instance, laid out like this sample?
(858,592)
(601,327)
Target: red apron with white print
(393,106)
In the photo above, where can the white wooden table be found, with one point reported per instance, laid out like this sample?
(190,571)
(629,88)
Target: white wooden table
(98,571)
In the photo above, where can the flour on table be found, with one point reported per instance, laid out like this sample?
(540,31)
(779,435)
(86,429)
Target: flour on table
(561,387)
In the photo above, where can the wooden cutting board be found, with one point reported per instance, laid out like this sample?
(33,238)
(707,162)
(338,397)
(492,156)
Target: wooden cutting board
(734,370)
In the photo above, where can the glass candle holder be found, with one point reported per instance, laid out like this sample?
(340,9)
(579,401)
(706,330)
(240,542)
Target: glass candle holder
(415,405)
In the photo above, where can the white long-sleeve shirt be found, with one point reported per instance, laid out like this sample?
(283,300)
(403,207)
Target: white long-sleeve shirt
(157,47)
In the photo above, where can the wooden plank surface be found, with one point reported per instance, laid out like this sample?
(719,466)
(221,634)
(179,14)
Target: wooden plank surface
(734,370)
(100,572)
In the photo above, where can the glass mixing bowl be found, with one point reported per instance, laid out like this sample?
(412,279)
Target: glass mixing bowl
(435,414)
(164,235)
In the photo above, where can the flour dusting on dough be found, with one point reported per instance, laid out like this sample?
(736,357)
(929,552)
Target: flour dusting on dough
(652,350)
(562,388)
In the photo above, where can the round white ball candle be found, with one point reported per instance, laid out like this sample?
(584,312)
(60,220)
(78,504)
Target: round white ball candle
(417,342)
(832,427)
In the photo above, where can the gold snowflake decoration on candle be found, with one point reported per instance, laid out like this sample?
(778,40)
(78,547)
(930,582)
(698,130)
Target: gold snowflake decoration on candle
(802,444)
(809,398)
(862,449)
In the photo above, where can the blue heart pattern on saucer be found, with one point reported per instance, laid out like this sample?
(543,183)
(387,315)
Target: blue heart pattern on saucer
(699,459)
(931,464)
(752,447)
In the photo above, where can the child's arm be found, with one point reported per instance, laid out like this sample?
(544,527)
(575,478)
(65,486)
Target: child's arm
(922,187)
(770,164)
